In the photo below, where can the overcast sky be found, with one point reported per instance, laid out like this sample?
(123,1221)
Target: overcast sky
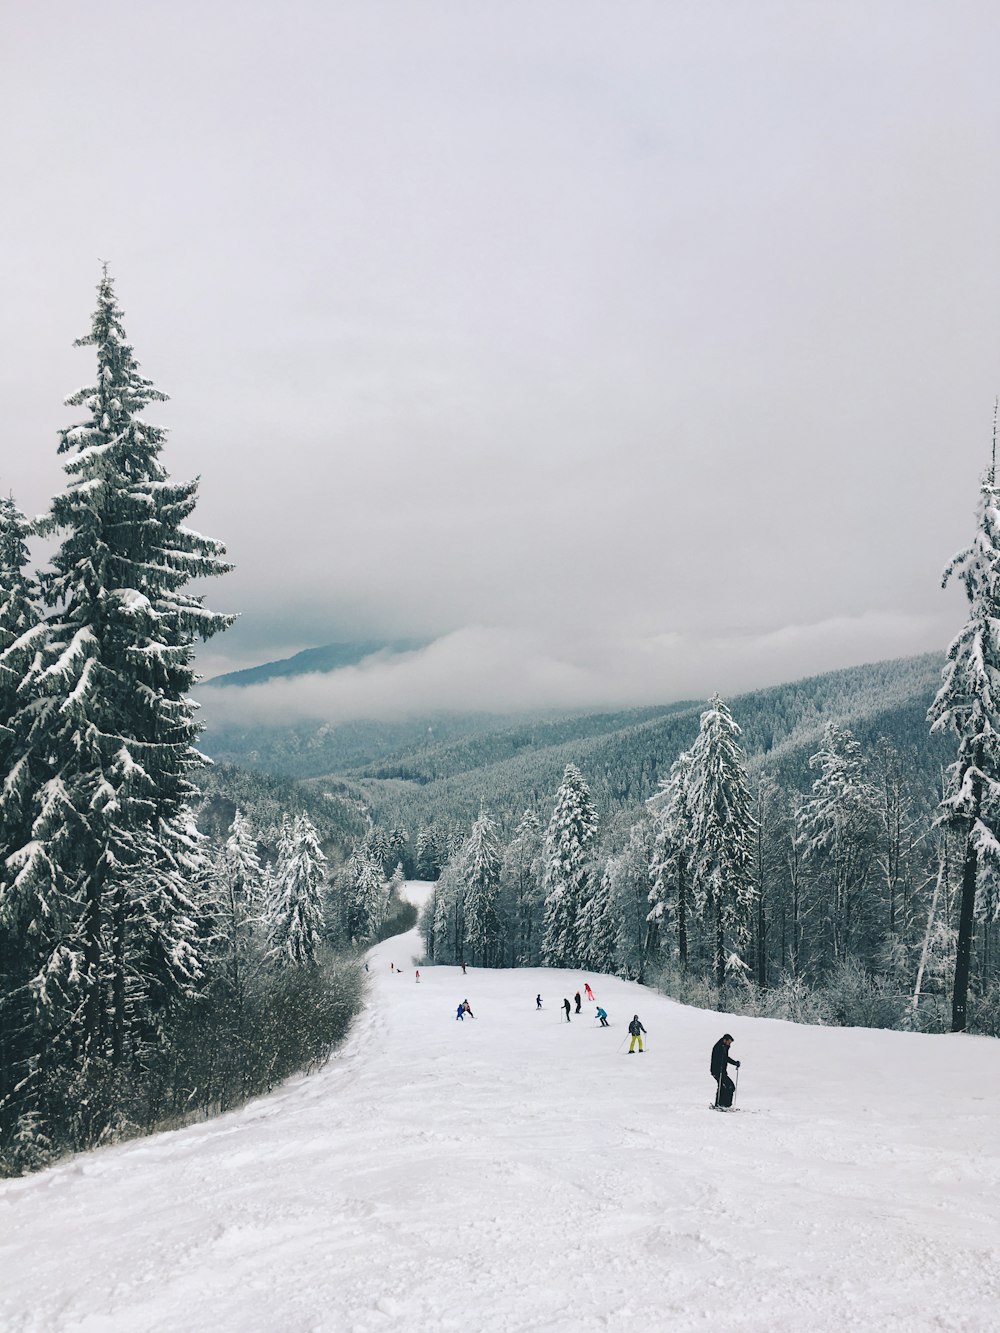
(633,350)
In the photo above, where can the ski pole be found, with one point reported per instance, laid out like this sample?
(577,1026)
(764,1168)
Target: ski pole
(736,1082)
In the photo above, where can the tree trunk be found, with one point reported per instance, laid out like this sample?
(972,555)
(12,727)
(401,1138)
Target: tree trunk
(761,940)
(118,979)
(720,952)
(966,921)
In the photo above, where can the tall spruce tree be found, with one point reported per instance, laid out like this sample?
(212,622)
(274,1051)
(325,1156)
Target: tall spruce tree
(673,853)
(522,887)
(240,901)
(22,636)
(481,864)
(294,917)
(567,858)
(837,833)
(968,703)
(366,897)
(99,798)
(722,829)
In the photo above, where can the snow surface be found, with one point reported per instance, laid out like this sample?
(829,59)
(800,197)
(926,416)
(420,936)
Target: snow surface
(515,1172)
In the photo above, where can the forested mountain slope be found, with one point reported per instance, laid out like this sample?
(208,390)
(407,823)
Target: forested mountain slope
(518,765)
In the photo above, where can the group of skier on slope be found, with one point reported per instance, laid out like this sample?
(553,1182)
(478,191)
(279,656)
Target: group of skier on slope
(725,1088)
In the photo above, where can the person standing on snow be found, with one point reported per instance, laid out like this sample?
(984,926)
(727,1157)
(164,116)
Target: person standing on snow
(576,997)
(566,1006)
(468,1008)
(589,993)
(418,975)
(724,1085)
(636,1029)
(538,1001)
(460,1012)
(602,1015)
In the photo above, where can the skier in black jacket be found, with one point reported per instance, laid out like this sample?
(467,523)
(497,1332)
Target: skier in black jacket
(724,1085)
(636,1029)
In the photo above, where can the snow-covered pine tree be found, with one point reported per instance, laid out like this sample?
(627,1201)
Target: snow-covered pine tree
(673,854)
(376,845)
(22,636)
(428,853)
(481,865)
(366,901)
(399,844)
(567,858)
(294,916)
(623,940)
(722,829)
(106,712)
(240,893)
(837,834)
(968,703)
(521,882)
(600,928)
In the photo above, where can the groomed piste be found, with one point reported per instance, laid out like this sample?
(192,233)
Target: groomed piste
(515,1172)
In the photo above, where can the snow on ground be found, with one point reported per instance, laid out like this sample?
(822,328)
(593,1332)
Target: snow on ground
(518,1173)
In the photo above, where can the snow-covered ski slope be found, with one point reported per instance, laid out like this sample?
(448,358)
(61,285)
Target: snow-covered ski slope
(515,1172)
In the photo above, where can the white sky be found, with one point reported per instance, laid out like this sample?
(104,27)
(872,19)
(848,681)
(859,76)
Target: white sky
(641,349)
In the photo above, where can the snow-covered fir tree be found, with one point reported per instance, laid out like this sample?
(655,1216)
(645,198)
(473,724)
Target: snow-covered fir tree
(428,854)
(481,863)
(837,834)
(241,900)
(722,826)
(623,939)
(602,918)
(968,703)
(672,857)
(294,917)
(567,876)
(521,883)
(99,798)
(22,636)
(366,897)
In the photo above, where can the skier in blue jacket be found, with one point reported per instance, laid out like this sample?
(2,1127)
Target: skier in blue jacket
(603,1016)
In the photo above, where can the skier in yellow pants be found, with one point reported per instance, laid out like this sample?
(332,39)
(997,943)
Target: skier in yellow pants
(636,1029)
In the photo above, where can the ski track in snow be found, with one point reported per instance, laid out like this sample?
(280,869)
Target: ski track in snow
(520,1173)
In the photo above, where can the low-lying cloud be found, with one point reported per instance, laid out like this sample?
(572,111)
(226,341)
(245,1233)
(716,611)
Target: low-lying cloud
(499,670)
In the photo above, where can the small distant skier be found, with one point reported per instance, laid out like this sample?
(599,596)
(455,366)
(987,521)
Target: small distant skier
(724,1085)
(576,997)
(603,1016)
(460,1012)
(567,1007)
(589,993)
(468,1008)
(636,1029)
(538,1001)
(418,976)
(392,967)
(463,968)
(366,967)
